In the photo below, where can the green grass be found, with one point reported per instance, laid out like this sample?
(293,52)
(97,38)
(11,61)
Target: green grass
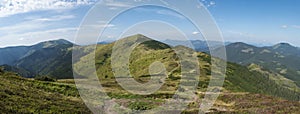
(19,95)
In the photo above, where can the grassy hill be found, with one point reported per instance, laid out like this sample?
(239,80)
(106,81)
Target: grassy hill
(239,78)
(240,82)
(20,95)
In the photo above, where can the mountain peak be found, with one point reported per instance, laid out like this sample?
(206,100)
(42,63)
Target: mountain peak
(54,43)
(145,41)
(136,38)
(60,41)
(139,36)
(240,44)
(283,45)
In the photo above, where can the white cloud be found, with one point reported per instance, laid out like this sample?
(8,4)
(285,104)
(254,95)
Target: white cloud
(296,26)
(38,36)
(211,3)
(160,11)
(113,5)
(195,33)
(170,13)
(118,4)
(21,27)
(290,26)
(208,3)
(33,24)
(240,34)
(11,7)
(100,24)
(21,38)
(284,26)
(55,18)
(96,26)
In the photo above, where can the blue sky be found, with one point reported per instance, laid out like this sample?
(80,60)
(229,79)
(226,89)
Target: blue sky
(267,22)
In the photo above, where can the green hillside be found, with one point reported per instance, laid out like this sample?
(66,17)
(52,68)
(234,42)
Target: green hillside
(239,79)
(11,54)
(20,71)
(20,95)
(281,58)
(53,58)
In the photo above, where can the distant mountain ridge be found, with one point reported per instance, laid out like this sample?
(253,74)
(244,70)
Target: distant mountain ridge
(281,58)
(198,45)
(45,58)
(55,57)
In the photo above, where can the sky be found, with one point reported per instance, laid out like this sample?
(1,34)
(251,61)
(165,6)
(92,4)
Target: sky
(259,22)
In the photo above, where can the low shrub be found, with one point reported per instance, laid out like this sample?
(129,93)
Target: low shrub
(45,78)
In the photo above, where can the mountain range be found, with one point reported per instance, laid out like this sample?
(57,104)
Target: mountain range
(239,81)
(251,71)
(54,57)
(47,58)
(249,78)
(281,58)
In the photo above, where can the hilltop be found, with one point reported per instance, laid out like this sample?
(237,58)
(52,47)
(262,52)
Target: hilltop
(239,79)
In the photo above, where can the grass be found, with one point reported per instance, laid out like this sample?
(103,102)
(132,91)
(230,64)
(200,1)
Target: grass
(19,95)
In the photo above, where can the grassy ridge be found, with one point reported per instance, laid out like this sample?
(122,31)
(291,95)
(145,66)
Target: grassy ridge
(239,79)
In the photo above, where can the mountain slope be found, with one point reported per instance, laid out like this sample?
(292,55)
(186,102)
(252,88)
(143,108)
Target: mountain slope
(48,59)
(281,58)
(11,54)
(52,58)
(245,90)
(19,71)
(239,78)
(20,95)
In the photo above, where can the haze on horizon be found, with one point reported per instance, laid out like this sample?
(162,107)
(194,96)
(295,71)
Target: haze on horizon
(256,22)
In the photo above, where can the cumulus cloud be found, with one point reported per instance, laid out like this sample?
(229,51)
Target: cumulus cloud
(11,7)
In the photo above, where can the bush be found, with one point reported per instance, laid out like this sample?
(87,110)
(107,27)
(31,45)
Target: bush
(1,70)
(140,106)
(45,78)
